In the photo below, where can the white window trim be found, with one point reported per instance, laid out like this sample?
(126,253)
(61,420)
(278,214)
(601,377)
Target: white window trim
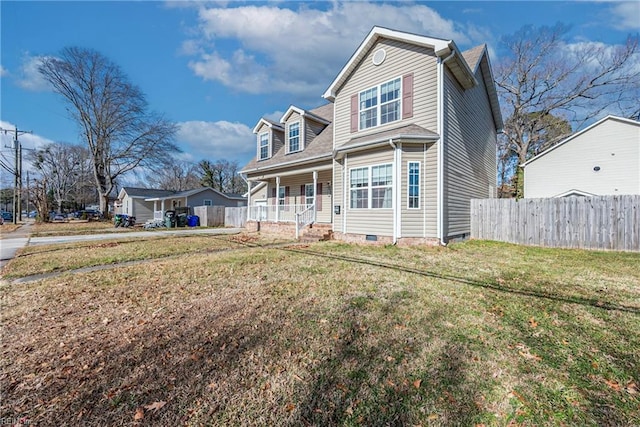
(370,187)
(379,104)
(300,145)
(283,190)
(409,184)
(312,197)
(260,135)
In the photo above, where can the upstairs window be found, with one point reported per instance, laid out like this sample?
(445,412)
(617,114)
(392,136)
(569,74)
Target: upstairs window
(263,148)
(293,136)
(380,104)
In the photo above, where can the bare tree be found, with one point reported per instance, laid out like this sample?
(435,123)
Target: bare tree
(221,175)
(545,83)
(112,114)
(61,165)
(177,176)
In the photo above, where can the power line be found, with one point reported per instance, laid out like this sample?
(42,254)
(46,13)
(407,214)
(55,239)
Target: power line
(17,188)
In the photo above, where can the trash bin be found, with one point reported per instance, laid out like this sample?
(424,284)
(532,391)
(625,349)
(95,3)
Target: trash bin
(170,219)
(182,220)
(193,220)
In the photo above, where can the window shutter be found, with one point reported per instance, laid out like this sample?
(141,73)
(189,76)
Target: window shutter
(303,198)
(274,197)
(354,113)
(319,197)
(407,96)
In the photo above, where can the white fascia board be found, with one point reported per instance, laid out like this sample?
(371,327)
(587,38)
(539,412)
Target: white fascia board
(373,36)
(268,123)
(292,109)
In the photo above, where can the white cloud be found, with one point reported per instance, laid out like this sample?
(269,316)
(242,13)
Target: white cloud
(30,78)
(275,116)
(626,15)
(216,140)
(27,140)
(272,49)
(3,71)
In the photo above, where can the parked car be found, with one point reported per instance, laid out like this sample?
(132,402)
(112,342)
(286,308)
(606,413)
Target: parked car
(33,214)
(88,214)
(7,216)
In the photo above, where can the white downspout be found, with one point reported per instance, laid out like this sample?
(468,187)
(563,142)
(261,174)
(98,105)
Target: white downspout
(277,198)
(395,191)
(315,196)
(246,180)
(440,169)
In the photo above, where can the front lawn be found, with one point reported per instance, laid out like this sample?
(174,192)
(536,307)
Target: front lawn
(476,333)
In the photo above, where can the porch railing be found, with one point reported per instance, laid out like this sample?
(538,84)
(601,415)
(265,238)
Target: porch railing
(274,213)
(304,218)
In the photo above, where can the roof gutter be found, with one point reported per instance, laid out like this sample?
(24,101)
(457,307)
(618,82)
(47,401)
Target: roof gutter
(293,162)
(380,142)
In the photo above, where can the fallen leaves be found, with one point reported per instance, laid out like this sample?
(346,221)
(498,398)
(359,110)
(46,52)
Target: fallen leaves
(533,323)
(155,406)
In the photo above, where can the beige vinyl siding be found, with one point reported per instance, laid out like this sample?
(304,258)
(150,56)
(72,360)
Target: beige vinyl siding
(368,221)
(612,145)
(470,151)
(277,141)
(338,194)
(401,59)
(261,194)
(294,182)
(419,222)
(311,130)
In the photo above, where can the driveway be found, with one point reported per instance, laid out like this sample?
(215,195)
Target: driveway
(21,237)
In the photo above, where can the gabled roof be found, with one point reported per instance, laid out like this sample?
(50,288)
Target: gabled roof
(189,193)
(577,134)
(442,48)
(304,113)
(270,123)
(318,149)
(136,192)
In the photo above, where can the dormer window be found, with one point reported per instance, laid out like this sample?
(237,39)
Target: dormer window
(380,104)
(293,137)
(263,146)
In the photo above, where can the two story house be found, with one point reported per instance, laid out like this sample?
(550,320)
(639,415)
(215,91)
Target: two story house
(407,138)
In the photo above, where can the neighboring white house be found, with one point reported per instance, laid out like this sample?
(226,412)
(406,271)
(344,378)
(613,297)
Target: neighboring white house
(603,159)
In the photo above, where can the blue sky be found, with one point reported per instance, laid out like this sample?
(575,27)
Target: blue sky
(215,68)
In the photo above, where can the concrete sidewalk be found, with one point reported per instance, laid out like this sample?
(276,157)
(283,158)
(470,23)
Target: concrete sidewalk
(11,242)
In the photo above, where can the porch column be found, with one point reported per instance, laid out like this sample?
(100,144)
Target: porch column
(277,201)
(248,200)
(162,206)
(315,188)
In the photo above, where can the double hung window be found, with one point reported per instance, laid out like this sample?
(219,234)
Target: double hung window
(293,136)
(263,145)
(371,187)
(380,104)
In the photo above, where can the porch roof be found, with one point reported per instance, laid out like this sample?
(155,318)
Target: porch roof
(412,133)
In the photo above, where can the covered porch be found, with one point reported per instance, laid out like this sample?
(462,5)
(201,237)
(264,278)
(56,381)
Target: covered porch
(295,199)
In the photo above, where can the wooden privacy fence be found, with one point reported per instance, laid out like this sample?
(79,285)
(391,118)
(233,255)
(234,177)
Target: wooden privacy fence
(235,217)
(599,222)
(220,216)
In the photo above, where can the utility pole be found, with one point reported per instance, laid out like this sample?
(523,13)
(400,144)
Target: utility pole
(17,188)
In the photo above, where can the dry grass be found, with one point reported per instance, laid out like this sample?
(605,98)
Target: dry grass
(303,337)
(7,228)
(74,227)
(42,259)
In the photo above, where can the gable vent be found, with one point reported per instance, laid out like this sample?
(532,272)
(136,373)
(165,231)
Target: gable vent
(379,56)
